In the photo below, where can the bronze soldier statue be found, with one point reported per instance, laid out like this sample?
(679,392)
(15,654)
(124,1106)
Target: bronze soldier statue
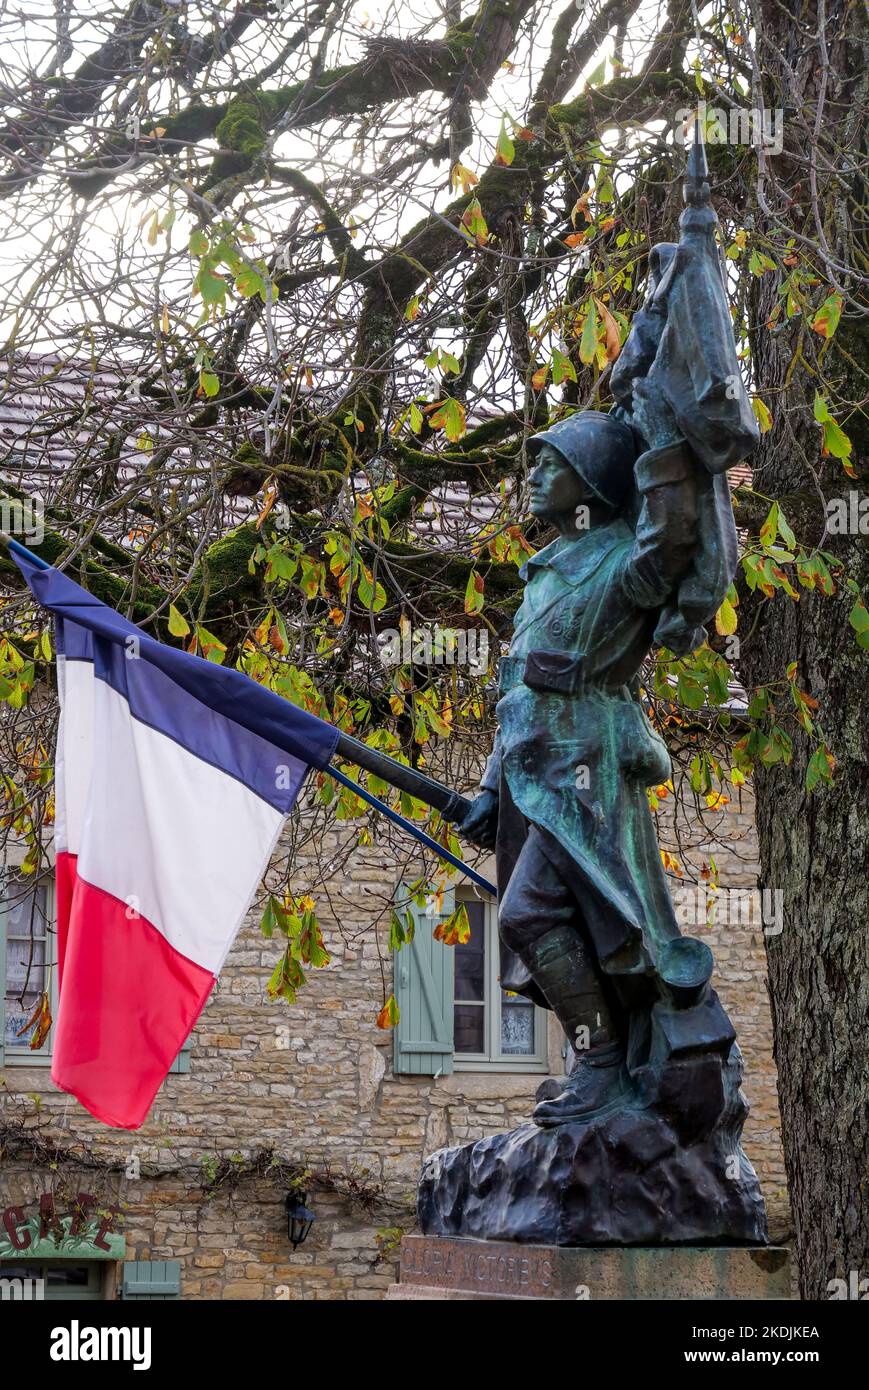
(645,551)
(586,921)
(585,916)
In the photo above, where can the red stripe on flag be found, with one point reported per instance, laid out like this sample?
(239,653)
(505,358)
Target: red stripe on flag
(65,879)
(128,1000)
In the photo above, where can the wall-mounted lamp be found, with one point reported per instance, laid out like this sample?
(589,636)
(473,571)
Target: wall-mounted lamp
(300,1218)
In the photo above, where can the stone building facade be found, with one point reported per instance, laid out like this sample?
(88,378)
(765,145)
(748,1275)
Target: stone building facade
(309,1094)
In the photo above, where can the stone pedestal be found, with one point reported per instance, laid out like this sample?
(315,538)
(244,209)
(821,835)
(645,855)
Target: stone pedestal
(434,1267)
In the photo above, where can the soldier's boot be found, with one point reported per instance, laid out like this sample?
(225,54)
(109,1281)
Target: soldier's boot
(563,968)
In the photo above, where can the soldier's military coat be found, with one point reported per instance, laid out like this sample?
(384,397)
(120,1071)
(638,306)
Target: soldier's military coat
(575,751)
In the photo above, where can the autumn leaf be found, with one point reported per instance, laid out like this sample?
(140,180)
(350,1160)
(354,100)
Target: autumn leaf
(211,647)
(450,417)
(538,380)
(271,497)
(178,625)
(611,330)
(580,206)
(826,320)
(761,414)
(454,930)
(474,593)
(389,1014)
(462,178)
(725,619)
(39,1021)
(475,223)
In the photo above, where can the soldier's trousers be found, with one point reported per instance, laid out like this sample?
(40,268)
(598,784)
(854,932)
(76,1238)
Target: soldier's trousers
(541,922)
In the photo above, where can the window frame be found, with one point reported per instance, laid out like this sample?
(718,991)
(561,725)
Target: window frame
(518,1063)
(20,1055)
(17,1056)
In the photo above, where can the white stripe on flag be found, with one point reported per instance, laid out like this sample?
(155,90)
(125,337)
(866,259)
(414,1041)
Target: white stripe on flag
(180,841)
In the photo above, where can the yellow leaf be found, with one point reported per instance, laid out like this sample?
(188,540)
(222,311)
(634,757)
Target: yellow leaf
(611,329)
(725,619)
(463,178)
(178,624)
(270,497)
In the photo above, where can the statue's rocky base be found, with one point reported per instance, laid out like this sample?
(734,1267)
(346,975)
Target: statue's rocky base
(671,1172)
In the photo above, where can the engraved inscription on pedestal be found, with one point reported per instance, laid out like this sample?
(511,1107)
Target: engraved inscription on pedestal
(435,1267)
(479,1266)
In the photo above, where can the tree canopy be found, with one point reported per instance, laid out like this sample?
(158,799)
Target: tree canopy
(289,285)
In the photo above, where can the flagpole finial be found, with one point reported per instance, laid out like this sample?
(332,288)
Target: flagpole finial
(696,186)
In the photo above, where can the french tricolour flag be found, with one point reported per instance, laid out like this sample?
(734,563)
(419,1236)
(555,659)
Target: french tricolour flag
(174,778)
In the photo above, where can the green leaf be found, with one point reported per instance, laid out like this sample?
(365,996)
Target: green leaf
(397,937)
(248,282)
(761,413)
(786,533)
(588,341)
(474,593)
(859,620)
(505,150)
(691,693)
(769,529)
(836,441)
(209,382)
(371,595)
(820,768)
(198,244)
(562,368)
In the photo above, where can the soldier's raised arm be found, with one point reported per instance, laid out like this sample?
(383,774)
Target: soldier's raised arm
(666,529)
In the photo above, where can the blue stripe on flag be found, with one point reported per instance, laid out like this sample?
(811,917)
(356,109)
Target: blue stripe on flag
(156,700)
(226,691)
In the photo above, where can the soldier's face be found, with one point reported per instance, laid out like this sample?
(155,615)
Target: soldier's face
(555,488)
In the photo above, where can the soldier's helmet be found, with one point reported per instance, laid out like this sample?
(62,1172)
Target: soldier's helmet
(600,447)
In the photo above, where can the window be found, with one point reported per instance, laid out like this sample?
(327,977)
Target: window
(28,959)
(491,1028)
(54,1280)
(28,941)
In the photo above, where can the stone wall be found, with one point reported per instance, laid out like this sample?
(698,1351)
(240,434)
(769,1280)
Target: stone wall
(314,1083)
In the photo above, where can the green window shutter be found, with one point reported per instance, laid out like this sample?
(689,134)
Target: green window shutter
(423,1043)
(182,1061)
(152,1279)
